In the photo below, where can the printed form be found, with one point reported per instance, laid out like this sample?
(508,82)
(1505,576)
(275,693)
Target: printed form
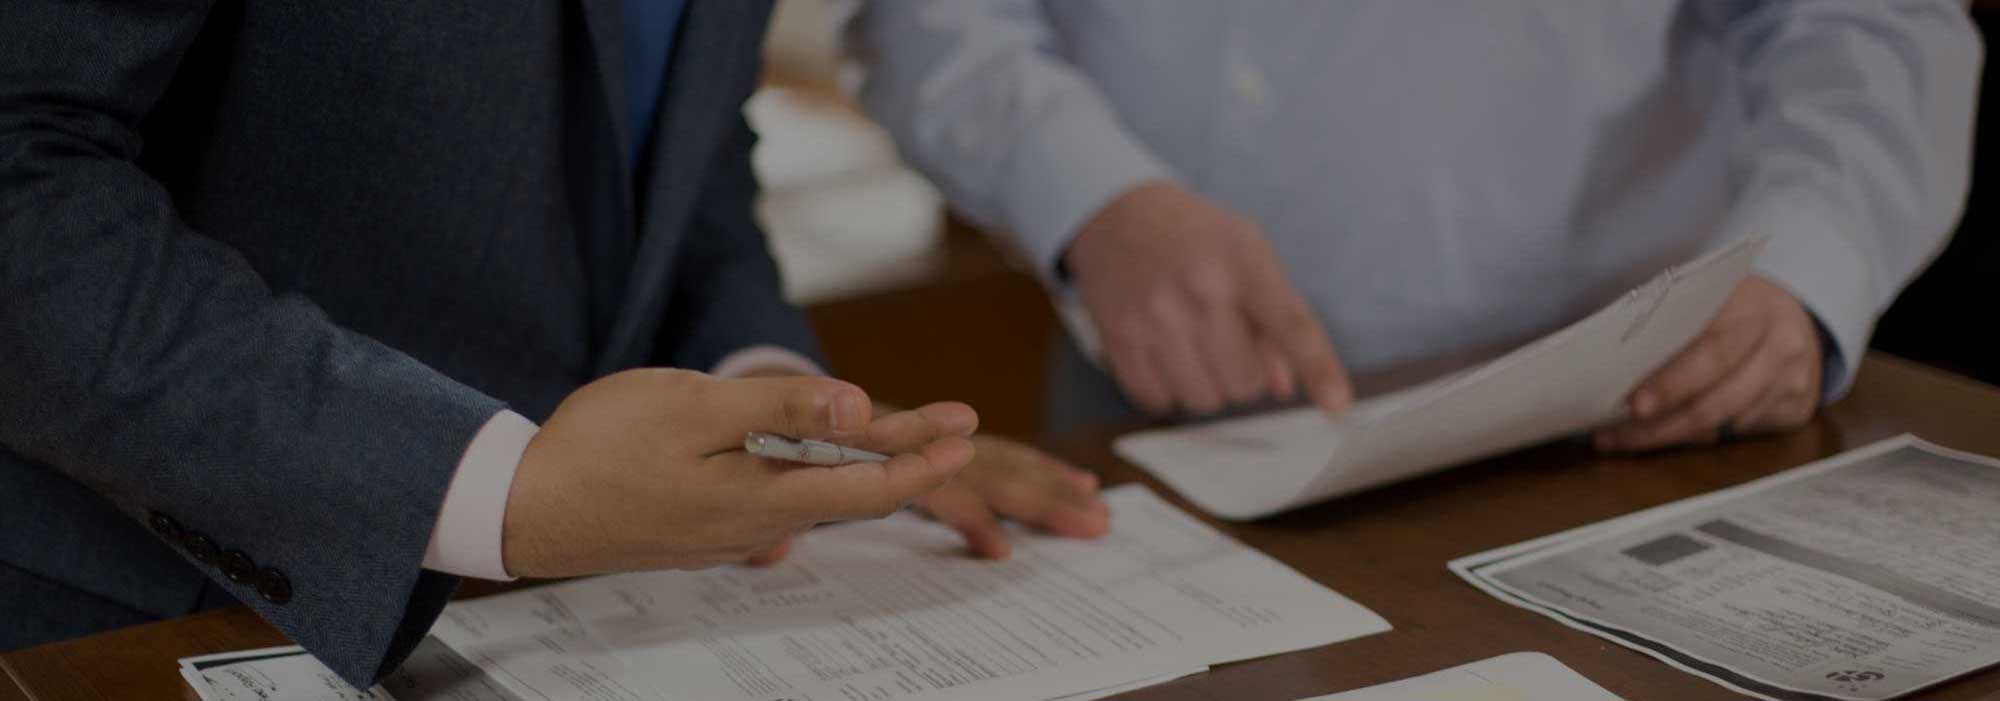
(1865,576)
(1522,676)
(431,673)
(892,610)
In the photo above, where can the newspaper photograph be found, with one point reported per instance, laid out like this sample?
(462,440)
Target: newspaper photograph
(1869,575)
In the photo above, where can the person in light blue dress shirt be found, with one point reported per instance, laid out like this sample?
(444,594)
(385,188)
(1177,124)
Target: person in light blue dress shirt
(1253,198)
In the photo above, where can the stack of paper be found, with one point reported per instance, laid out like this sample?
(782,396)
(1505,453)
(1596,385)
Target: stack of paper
(433,671)
(1522,676)
(1572,380)
(891,609)
(1865,576)
(887,609)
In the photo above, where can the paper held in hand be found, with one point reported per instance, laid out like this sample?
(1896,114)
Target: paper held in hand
(1574,379)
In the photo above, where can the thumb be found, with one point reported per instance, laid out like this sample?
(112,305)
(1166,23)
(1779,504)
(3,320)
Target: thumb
(799,407)
(866,490)
(773,556)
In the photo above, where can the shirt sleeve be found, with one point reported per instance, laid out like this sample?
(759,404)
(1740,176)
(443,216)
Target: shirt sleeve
(467,538)
(1855,156)
(978,96)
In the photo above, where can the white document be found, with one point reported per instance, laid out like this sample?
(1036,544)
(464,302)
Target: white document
(1574,379)
(1522,676)
(270,674)
(432,673)
(892,610)
(1868,575)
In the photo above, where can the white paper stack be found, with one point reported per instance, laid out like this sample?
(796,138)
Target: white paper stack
(289,673)
(1522,676)
(888,609)
(892,609)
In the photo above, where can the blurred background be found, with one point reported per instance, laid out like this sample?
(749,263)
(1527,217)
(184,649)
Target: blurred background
(867,247)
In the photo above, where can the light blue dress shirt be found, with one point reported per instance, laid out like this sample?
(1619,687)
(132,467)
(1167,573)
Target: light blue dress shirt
(1450,178)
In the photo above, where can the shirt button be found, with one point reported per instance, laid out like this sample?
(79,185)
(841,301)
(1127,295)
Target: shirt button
(1248,82)
(166,526)
(273,586)
(238,567)
(201,548)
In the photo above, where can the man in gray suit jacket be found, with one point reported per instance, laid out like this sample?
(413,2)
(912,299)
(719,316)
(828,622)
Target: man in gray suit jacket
(286,286)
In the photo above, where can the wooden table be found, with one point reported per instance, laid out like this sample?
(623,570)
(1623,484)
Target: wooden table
(1385,549)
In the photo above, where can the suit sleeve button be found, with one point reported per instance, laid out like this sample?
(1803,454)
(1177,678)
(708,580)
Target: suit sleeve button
(238,567)
(166,526)
(201,548)
(273,586)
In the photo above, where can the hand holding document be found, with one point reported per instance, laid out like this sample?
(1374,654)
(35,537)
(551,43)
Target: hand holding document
(1522,676)
(891,609)
(1868,575)
(1572,380)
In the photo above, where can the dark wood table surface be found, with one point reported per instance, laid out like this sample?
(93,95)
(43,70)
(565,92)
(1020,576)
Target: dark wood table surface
(1385,549)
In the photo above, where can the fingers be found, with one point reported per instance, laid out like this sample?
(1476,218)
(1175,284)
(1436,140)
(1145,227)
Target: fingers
(1718,350)
(1280,317)
(1224,341)
(1189,346)
(1277,372)
(1725,401)
(957,506)
(1132,367)
(1175,355)
(907,431)
(800,407)
(868,490)
(1030,486)
(773,556)
(1756,368)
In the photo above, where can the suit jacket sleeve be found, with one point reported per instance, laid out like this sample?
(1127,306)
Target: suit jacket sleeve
(1855,156)
(153,364)
(727,292)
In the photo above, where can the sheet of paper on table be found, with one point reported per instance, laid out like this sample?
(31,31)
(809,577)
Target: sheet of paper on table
(1868,575)
(1568,381)
(1522,676)
(892,609)
(432,673)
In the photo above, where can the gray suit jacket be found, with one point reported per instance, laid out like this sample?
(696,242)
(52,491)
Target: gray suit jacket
(265,268)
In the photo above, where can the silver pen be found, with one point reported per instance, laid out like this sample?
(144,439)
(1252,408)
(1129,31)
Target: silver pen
(806,450)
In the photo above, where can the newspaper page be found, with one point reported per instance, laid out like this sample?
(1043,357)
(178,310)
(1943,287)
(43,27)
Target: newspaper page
(1869,575)
(893,610)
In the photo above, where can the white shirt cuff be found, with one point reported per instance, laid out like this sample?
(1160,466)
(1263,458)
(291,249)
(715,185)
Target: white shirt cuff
(466,540)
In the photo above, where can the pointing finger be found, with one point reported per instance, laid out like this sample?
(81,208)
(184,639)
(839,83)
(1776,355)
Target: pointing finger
(1283,319)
